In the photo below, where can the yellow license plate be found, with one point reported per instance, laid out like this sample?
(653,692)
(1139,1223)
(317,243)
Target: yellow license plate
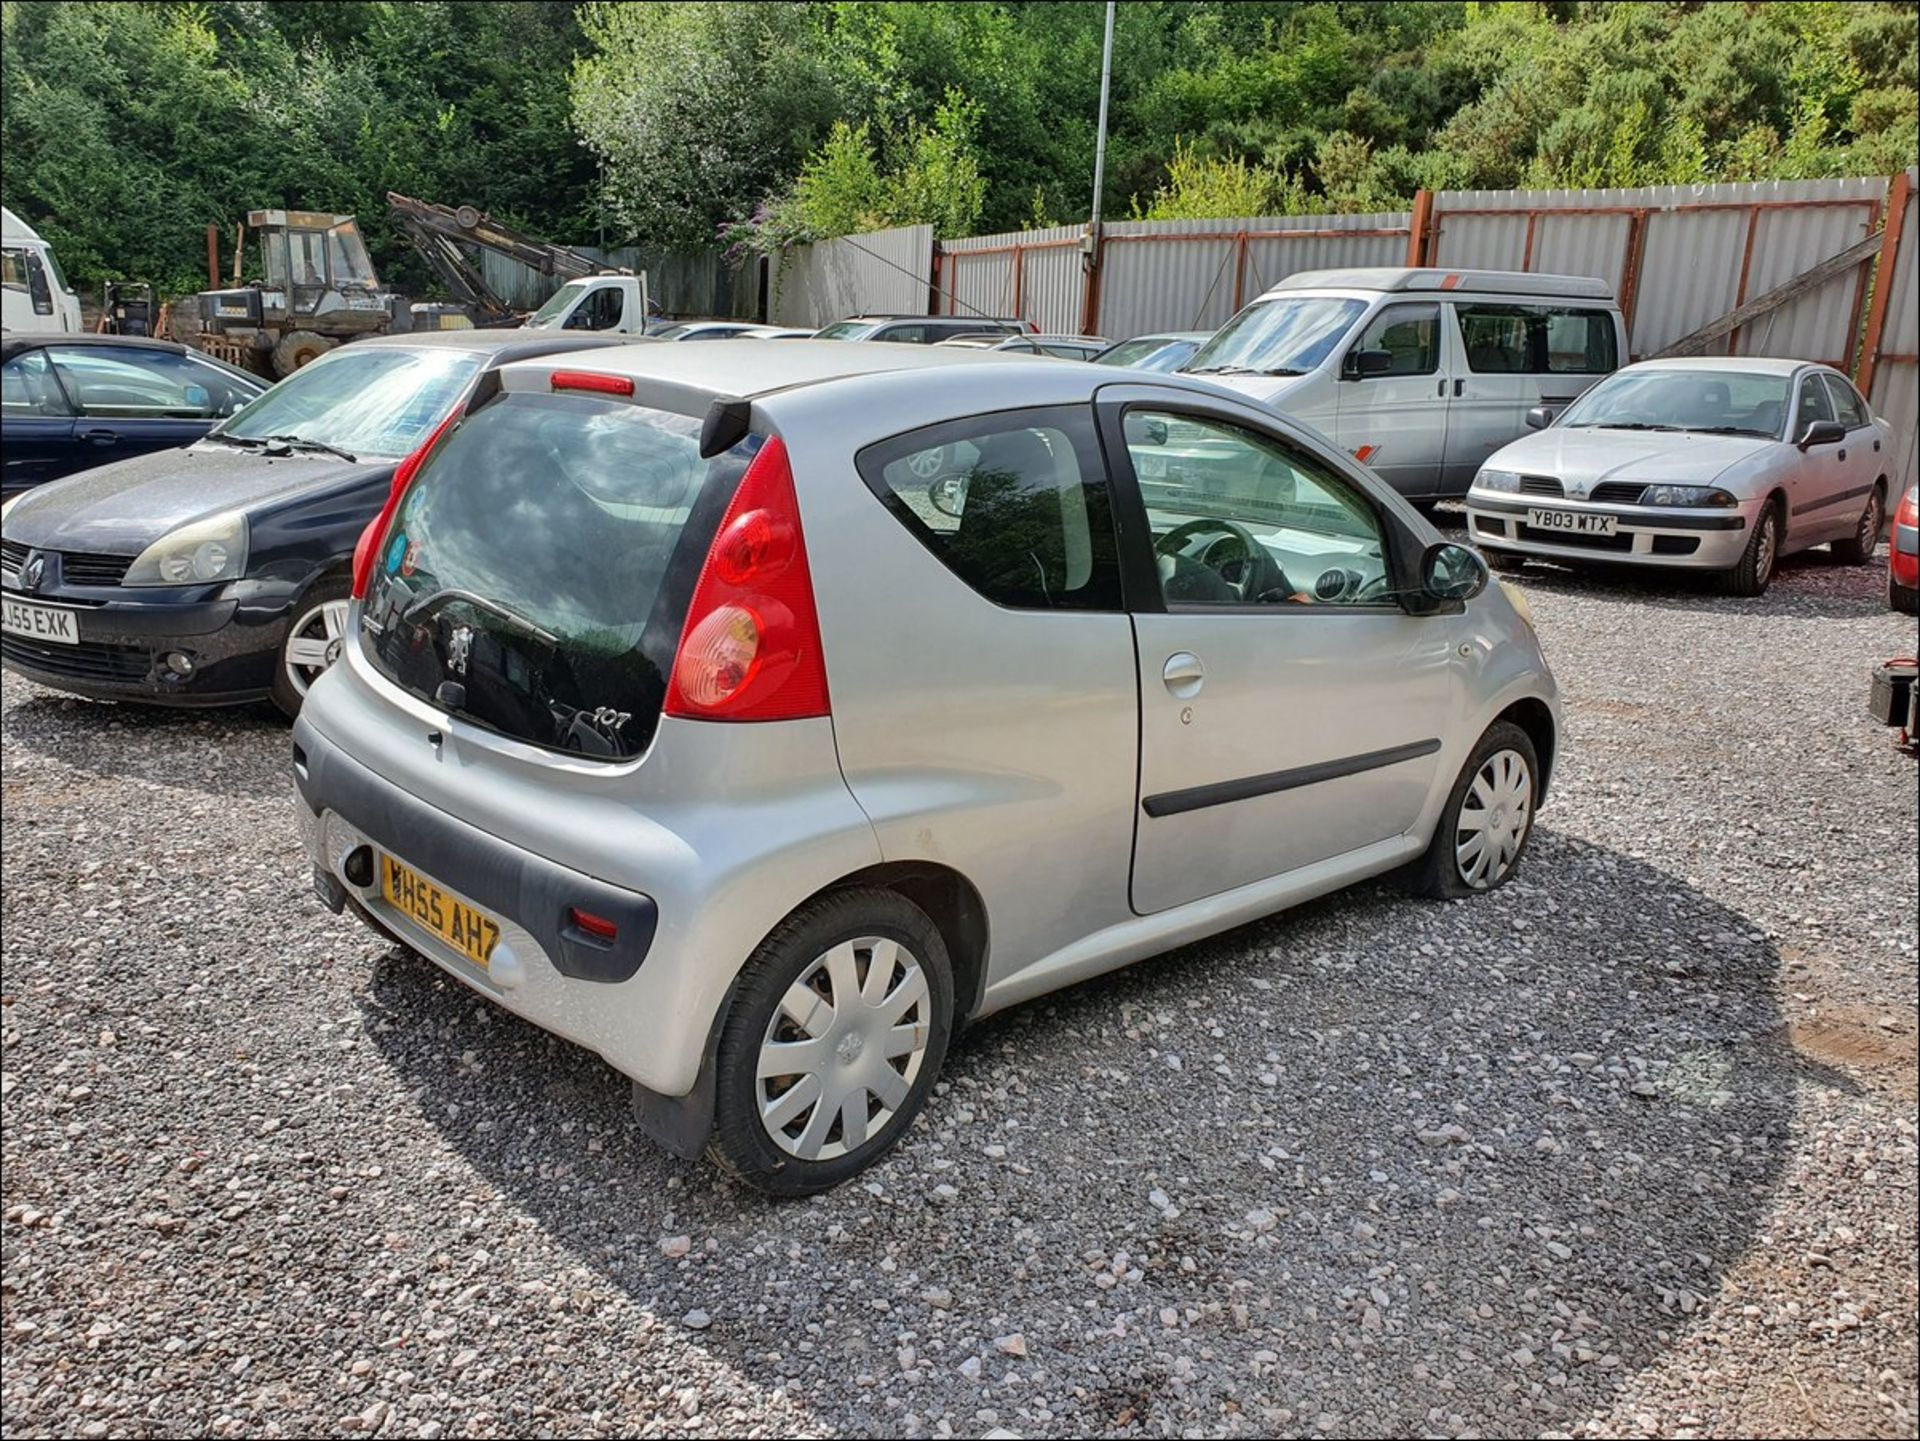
(468,931)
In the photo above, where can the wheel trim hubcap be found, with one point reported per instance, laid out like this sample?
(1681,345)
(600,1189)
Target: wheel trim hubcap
(1494,817)
(315,642)
(843,1049)
(1870,524)
(1763,563)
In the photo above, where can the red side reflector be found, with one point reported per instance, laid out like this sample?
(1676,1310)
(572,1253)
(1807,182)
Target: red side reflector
(368,546)
(590,380)
(593,925)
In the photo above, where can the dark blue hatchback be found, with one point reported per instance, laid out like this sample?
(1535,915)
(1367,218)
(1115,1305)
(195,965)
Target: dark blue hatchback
(71,402)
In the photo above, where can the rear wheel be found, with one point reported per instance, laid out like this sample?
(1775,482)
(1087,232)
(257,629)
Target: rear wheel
(1902,597)
(1858,548)
(298,348)
(1488,819)
(1755,569)
(313,642)
(836,1033)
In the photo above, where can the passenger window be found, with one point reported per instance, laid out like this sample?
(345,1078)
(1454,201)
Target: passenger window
(1848,408)
(599,311)
(28,388)
(1815,403)
(1015,504)
(145,384)
(1408,333)
(1536,339)
(904,334)
(1239,519)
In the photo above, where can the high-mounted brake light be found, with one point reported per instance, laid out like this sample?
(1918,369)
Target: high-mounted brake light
(750,650)
(589,380)
(368,546)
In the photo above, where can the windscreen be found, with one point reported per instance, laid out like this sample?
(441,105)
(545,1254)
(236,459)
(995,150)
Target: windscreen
(557,305)
(367,400)
(844,330)
(541,563)
(1289,336)
(1721,402)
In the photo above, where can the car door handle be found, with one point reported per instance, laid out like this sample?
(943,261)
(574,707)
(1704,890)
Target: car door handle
(1184,674)
(1843,455)
(101,437)
(1459,387)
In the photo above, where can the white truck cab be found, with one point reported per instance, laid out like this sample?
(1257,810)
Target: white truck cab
(37,298)
(1421,373)
(613,303)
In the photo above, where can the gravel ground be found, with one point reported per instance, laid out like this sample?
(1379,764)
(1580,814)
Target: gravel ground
(1627,1148)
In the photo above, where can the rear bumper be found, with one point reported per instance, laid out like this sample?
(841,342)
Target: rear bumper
(1695,539)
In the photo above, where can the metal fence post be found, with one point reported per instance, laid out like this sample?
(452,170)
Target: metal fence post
(1417,237)
(1883,276)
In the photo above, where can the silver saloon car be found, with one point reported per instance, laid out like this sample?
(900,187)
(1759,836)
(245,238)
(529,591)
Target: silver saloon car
(687,713)
(1720,464)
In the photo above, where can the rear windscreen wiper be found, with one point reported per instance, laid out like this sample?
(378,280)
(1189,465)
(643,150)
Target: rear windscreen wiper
(479,602)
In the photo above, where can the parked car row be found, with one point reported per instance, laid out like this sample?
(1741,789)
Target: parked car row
(596,711)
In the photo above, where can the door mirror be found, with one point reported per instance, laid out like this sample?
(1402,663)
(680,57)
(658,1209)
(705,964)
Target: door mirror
(1822,432)
(1450,572)
(948,495)
(1539,418)
(1362,363)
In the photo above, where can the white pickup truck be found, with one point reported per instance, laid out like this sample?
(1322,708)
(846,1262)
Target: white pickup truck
(616,303)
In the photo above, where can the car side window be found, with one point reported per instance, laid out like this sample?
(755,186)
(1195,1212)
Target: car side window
(599,311)
(1848,408)
(1240,519)
(1815,402)
(152,385)
(1015,504)
(904,334)
(28,388)
(1410,334)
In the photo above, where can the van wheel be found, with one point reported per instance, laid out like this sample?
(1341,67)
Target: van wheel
(1488,819)
(836,1033)
(1755,570)
(313,641)
(1858,548)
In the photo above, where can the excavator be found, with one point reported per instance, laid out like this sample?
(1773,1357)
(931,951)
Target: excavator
(320,290)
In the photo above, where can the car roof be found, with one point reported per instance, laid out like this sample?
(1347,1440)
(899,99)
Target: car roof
(1167,337)
(943,319)
(1436,277)
(13,343)
(1736,364)
(502,345)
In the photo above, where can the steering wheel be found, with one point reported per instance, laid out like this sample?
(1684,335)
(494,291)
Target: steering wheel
(1253,574)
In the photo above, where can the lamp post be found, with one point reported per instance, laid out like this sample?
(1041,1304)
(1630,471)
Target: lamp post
(1090,242)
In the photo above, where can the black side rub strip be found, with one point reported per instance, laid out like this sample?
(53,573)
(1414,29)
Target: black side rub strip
(1220,793)
(1833,499)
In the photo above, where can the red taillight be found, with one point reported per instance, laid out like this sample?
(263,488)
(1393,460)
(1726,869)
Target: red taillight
(598,927)
(589,380)
(750,650)
(1908,512)
(368,546)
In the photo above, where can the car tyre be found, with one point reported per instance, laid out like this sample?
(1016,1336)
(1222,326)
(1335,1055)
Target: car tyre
(1755,570)
(1859,548)
(1902,597)
(1494,797)
(811,986)
(313,640)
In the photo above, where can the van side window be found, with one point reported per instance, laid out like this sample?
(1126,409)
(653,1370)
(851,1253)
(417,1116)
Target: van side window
(1015,504)
(1536,339)
(599,311)
(1408,333)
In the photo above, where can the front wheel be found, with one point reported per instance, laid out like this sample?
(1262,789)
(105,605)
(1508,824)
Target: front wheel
(1858,548)
(836,1033)
(297,348)
(1755,569)
(313,642)
(1487,821)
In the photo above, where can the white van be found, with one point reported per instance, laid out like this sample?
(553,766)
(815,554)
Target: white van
(36,294)
(1421,373)
(615,302)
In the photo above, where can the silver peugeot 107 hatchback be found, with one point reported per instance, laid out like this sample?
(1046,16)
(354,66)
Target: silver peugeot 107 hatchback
(757,714)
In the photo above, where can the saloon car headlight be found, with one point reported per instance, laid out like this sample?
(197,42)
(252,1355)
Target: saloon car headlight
(198,554)
(1497,480)
(1686,495)
(9,505)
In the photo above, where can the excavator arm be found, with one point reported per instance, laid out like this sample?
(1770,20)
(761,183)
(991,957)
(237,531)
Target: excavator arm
(441,233)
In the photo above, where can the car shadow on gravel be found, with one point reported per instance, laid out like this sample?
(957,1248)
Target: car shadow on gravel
(1373,1165)
(1812,584)
(210,751)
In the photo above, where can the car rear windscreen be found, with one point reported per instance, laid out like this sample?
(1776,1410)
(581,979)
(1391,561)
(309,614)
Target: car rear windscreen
(536,575)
